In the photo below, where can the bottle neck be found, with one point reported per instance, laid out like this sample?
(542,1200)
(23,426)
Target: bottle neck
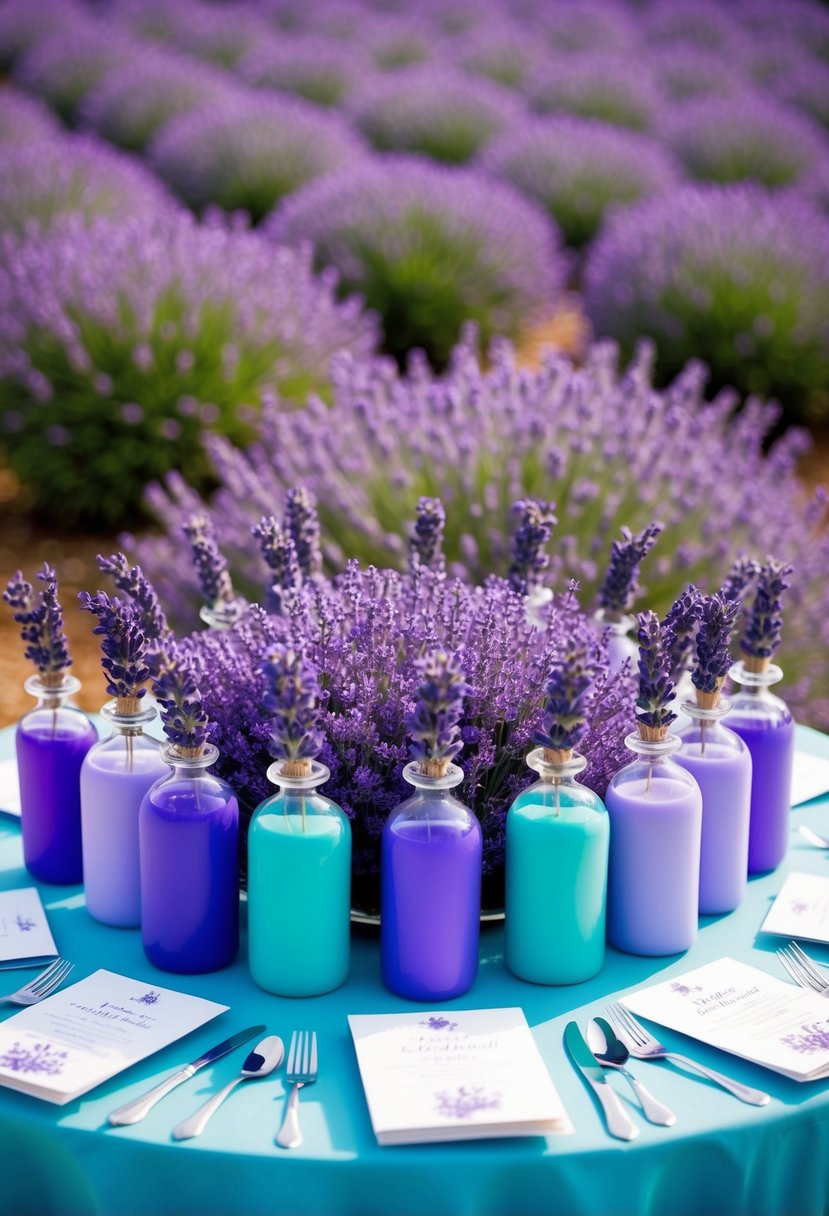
(755,684)
(128,725)
(297,777)
(50,692)
(652,751)
(224,615)
(187,767)
(426,783)
(560,768)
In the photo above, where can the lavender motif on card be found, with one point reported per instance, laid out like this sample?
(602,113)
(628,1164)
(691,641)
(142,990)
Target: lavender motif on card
(23,923)
(799,907)
(465,1102)
(812,1037)
(149,998)
(684,990)
(439,1024)
(41,1058)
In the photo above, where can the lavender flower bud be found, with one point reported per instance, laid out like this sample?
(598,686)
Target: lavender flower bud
(679,628)
(154,627)
(426,539)
(433,725)
(291,698)
(42,620)
(765,620)
(568,690)
(656,688)
(302,522)
(717,618)
(123,644)
(740,578)
(533,533)
(279,551)
(620,586)
(211,565)
(183,715)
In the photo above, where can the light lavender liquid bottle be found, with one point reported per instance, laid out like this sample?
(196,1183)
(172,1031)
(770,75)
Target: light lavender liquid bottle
(115,776)
(431,891)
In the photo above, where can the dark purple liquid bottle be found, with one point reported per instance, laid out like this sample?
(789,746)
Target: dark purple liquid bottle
(431,892)
(189,839)
(51,741)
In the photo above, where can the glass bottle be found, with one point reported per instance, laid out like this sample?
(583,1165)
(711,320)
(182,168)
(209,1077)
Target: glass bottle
(52,740)
(620,643)
(189,837)
(557,838)
(720,762)
(430,889)
(765,724)
(115,776)
(223,615)
(655,810)
(299,885)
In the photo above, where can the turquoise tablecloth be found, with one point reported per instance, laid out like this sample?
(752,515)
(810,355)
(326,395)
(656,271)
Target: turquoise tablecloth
(721,1157)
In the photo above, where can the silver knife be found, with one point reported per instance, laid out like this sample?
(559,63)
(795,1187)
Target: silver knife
(618,1122)
(133,1112)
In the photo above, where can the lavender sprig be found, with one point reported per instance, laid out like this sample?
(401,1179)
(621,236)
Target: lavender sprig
(765,622)
(426,539)
(183,715)
(568,689)
(279,551)
(533,533)
(717,619)
(123,644)
(656,688)
(433,724)
(679,626)
(132,581)
(291,698)
(303,525)
(211,565)
(618,590)
(42,623)
(740,578)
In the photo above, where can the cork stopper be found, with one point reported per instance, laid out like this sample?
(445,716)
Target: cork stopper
(651,734)
(558,755)
(127,707)
(756,663)
(710,700)
(52,679)
(295,768)
(434,768)
(190,753)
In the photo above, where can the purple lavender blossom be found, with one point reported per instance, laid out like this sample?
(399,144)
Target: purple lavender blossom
(740,578)
(465,1101)
(679,627)
(505,52)
(656,688)
(621,581)
(221,34)
(597,85)
(25,120)
(309,66)
(765,616)
(303,526)
(40,1058)
(812,1036)
(577,168)
(64,64)
(291,699)
(602,25)
(24,22)
(717,619)
(684,72)
(703,24)
(42,620)
(433,725)
(483,252)
(529,541)
(433,110)
(210,563)
(397,40)
(248,150)
(426,539)
(153,622)
(183,715)
(566,704)
(735,271)
(279,551)
(123,645)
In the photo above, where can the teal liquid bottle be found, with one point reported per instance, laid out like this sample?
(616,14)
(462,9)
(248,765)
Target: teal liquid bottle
(299,885)
(557,840)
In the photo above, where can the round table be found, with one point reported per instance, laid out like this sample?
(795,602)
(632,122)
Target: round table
(721,1156)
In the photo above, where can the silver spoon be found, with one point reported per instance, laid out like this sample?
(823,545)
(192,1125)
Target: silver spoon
(611,1052)
(813,837)
(264,1058)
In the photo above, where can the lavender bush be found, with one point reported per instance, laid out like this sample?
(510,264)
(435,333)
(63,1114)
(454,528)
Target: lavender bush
(396,40)
(64,64)
(433,110)
(732,271)
(429,248)
(24,22)
(577,168)
(309,66)
(691,23)
(45,181)
(683,72)
(503,51)
(606,87)
(122,342)
(571,26)
(248,150)
(743,137)
(601,443)
(25,120)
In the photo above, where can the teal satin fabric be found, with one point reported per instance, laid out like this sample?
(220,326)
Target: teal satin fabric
(721,1156)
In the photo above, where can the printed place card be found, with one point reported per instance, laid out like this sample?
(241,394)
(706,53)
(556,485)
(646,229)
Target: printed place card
(25,937)
(745,1012)
(87,1033)
(9,789)
(459,1075)
(801,908)
(810,777)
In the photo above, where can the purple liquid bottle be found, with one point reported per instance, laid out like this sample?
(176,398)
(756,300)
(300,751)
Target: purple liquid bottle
(655,810)
(720,762)
(431,891)
(52,740)
(189,841)
(115,776)
(766,726)
(620,644)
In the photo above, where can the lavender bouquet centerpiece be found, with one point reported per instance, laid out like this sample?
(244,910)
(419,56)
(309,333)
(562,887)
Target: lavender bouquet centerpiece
(656,688)
(41,618)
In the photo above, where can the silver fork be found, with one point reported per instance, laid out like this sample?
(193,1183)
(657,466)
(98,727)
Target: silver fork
(802,970)
(644,1046)
(42,985)
(301,1070)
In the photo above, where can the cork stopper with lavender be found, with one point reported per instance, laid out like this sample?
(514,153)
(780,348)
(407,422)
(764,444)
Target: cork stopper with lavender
(434,723)
(291,698)
(656,688)
(41,617)
(565,707)
(717,619)
(765,616)
(183,716)
(123,647)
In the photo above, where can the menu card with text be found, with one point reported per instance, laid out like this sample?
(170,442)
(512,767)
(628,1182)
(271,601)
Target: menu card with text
(88,1032)
(458,1075)
(25,937)
(746,1012)
(801,908)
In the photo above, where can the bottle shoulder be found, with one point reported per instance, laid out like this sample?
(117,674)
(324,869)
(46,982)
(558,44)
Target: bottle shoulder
(63,722)
(567,801)
(310,813)
(710,740)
